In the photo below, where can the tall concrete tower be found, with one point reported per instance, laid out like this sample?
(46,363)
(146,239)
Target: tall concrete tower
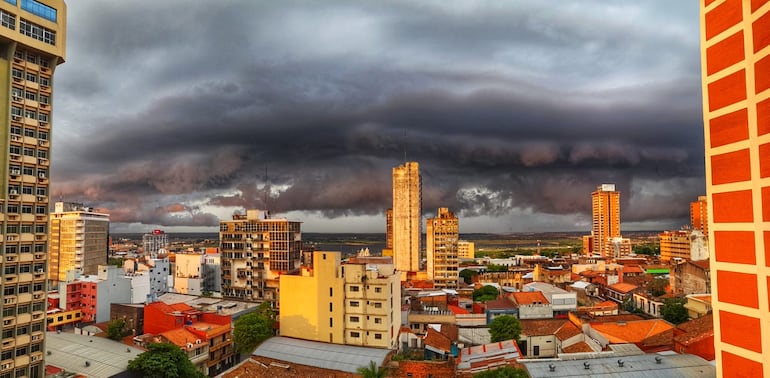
(407,202)
(442,234)
(32,44)
(606,217)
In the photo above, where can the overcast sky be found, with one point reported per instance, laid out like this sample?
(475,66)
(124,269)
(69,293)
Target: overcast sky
(176,113)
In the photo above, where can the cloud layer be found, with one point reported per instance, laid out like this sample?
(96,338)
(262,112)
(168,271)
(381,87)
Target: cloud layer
(178,115)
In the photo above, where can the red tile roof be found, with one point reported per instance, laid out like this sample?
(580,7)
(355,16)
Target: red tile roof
(528,298)
(180,337)
(563,329)
(632,269)
(638,332)
(695,330)
(457,309)
(580,347)
(622,287)
(500,304)
(703,264)
(437,340)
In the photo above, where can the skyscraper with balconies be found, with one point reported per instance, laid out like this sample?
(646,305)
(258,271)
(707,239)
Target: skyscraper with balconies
(256,250)
(735,69)
(442,235)
(32,44)
(78,240)
(605,205)
(407,203)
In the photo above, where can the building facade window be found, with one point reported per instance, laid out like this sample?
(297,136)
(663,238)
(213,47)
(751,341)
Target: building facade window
(39,9)
(33,30)
(8,20)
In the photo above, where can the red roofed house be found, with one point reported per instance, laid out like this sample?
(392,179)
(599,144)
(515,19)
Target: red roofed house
(546,338)
(652,335)
(485,357)
(532,305)
(620,292)
(696,337)
(207,327)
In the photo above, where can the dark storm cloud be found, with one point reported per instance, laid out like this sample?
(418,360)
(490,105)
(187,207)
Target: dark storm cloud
(195,108)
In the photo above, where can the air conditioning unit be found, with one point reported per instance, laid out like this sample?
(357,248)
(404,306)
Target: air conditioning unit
(15,172)
(7,365)
(41,175)
(16,118)
(16,98)
(14,192)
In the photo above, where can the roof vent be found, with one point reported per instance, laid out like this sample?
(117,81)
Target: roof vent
(551,367)
(586,365)
(658,359)
(621,363)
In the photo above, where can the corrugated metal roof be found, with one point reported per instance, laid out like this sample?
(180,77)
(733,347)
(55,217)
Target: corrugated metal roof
(639,366)
(324,355)
(105,357)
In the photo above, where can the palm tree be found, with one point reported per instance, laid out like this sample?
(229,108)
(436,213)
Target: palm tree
(372,371)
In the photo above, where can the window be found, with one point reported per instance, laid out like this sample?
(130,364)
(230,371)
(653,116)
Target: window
(331,292)
(331,308)
(377,320)
(26,209)
(29,151)
(18,74)
(41,191)
(30,114)
(16,130)
(354,303)
(17,93)
(536,350)
(8,20)
(44,81)
(355,319)
(378,336)
(42,117)
(355,334)
(42,154)
(354,289)
(29,95)
(40,210)
(29,132)
(377,305)
(27,189)
(331,322)
(42,135)
(16,112)
(44,99)
(40,229)
(39,9)
(31,77)
(31,29)
(378,290)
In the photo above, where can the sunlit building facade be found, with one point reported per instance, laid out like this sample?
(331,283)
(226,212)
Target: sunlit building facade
(78,240)
(466,249)
(735,68)
(407,205)
(699,215)
(255,250)
(605,205)
(442,235)
(32,44)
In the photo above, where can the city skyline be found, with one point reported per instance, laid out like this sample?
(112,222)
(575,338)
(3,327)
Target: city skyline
(514,111)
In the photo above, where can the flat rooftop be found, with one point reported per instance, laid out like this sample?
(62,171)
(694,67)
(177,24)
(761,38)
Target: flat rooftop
(105,357)
(671,365)
(324,355)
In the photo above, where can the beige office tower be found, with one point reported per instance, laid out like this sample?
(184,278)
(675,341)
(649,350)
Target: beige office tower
(32,44)
(699,215)
(407,201)
(256,249)
(466,249)
(606,218)
(442,235)
(78,240)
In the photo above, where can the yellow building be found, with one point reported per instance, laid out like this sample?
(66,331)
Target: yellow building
(674,245)
(256,250)
(466,249)
(735,71)
(32,44)
(78,240)
(606,217)
(188,273)
(442,234)
(407,204)
(351,304)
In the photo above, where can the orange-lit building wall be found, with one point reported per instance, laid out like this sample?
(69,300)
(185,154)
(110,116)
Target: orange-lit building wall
(699,215)
(735,66)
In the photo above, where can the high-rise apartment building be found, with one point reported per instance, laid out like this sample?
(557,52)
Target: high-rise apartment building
(466,249)
(154,243)
(389,229)
(699,215)
(78,240)
(407,204)
(605,205)
(442,235)
(735,68)
(352,304)
(256,250)
(674,245)
(32,44)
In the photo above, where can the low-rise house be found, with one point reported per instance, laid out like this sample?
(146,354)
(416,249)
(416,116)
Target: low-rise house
(441,342)
(485,357)
(653,335)
(690,277)
(698,305)
(648,304)
(532,305)
(547,338)
(620,292)
(500,306)
(562,301)
(696,337)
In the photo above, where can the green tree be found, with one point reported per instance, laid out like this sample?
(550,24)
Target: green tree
(467,275)
(372,371)
(485,293)
(657,286)
(503,372)
(253,328)
(674,311)
(505,327)
(116,329)
(164,360)
(497,268)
